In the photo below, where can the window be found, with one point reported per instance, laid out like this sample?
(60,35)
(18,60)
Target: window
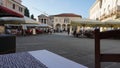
(41,20)
(20,9)
(104,10)
(66,20)
(13,6)
(1,3)
(97,18)
(45,21)
(108,8)
(60,20)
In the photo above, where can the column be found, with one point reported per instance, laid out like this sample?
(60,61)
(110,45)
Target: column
(71,30)
(66,27)
(78,29)
(61,27)
(54,26)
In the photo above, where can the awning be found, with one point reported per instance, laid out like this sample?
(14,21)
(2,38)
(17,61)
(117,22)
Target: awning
(7,12)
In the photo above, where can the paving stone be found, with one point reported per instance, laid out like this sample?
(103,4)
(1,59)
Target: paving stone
(80,50)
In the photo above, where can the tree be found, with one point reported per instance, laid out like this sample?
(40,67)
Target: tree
(32,16)
(26,12)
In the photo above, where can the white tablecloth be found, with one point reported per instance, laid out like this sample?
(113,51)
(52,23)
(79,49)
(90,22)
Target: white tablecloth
(52,60)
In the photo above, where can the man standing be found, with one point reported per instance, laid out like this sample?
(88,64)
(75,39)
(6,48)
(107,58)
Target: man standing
(68,30)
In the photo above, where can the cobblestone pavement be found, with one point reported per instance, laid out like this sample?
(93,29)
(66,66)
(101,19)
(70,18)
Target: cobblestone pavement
(80,50)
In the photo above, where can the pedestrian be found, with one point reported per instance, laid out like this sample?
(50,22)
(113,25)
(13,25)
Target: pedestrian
(51,30)
(68,30)
(74,33)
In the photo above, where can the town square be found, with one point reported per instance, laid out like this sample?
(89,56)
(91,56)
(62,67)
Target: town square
(59,34)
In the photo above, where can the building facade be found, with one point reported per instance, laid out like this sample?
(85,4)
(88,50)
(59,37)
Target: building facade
(105,10)
(11,8)
(43,19)
(61,22)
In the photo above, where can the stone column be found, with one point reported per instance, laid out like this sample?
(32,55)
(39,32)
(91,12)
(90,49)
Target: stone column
(66,27)
(71,30)
(54,26)
(61,27)
(78,29)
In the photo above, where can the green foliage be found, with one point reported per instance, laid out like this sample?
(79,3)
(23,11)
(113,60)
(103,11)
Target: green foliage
(32,16)
(26,12)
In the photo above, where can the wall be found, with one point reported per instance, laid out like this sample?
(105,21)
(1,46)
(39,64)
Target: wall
(60,20)
(95,11)
(107,11)
(19,1)
(0,2)
(9,4)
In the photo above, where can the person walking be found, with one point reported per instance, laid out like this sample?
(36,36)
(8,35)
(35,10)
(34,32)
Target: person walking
(68,30)
(74,33)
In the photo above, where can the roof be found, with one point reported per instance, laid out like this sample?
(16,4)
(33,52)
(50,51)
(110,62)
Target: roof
(42,15)
(67,15)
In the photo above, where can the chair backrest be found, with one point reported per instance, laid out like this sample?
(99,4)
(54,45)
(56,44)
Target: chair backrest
(105,57)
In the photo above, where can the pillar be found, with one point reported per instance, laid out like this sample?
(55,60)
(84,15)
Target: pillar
(71,30)
(78,28)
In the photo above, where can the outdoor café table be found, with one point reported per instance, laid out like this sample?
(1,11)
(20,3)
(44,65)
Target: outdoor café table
(46,58)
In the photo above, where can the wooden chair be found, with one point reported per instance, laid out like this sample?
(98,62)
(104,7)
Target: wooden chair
(105,57)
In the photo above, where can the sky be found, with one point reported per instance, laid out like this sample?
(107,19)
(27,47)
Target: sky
(53,7)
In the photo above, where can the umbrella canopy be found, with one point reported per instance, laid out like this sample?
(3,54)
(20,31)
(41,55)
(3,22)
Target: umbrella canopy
(11,20)
(30,21)
(112,23)
(87,22)
(44,26)
(17,20)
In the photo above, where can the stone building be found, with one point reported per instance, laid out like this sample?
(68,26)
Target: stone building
(61,22)
(12,8)
(43,19)
(105,10)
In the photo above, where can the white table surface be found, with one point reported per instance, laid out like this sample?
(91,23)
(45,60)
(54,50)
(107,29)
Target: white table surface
(52,60)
